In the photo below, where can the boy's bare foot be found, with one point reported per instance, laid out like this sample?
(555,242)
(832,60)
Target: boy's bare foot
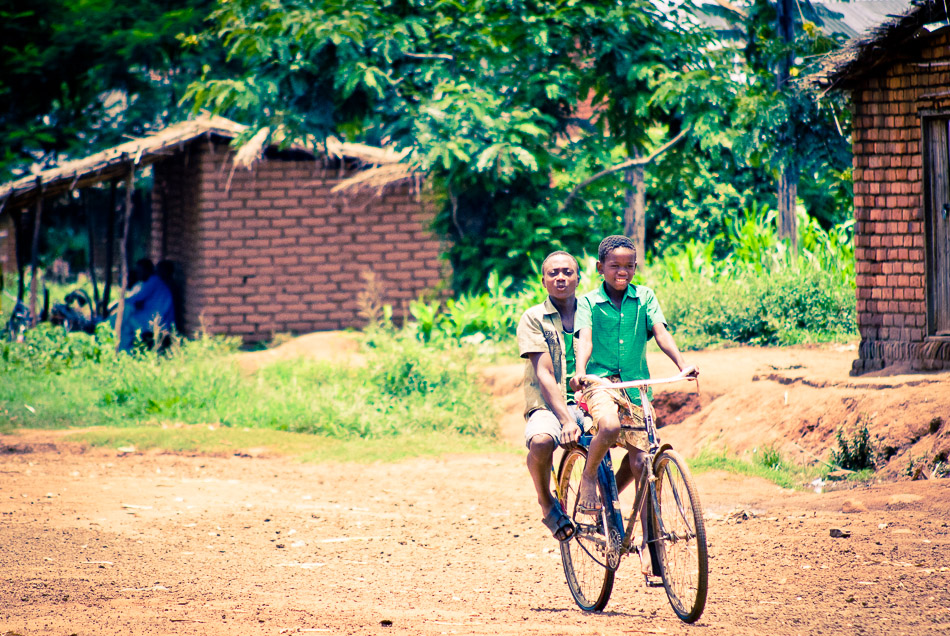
(587,500)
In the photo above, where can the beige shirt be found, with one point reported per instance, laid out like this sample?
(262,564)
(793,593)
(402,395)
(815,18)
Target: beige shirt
(540,331)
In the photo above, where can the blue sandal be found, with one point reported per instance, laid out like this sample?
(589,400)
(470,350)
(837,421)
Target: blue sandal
(558,523)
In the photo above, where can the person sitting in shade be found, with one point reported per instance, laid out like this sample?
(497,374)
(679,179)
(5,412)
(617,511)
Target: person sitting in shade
(148,307)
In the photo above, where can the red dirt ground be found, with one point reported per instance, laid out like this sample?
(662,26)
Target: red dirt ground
(98,541)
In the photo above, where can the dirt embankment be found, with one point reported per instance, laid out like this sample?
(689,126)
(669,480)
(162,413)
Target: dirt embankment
(795,399)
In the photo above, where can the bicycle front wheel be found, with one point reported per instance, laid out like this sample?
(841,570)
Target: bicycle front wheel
(584,557)
(681,537)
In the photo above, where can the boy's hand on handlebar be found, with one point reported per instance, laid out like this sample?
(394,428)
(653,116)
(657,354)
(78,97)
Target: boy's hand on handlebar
(584,382)
(690,371)
(570,432)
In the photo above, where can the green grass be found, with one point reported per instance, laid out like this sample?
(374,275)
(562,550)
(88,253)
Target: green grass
(862,476)
(768,465)
(408,398)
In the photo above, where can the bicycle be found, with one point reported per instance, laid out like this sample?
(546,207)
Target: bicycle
(675,533)
(69,314)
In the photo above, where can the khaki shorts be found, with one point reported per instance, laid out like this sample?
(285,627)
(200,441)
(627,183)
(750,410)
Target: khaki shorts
(604,402)
(543,421)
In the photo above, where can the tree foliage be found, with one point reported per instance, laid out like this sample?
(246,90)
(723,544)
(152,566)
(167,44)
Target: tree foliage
(79,76)
(502,102)
(752,127)
(507,105)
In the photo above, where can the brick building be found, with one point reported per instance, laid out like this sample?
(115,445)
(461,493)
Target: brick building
(899,80)
(270,248)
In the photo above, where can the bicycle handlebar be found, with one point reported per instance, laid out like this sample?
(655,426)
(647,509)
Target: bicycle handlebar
(690,374)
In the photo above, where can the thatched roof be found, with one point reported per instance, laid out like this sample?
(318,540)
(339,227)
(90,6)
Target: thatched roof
(893,40)
(116,162)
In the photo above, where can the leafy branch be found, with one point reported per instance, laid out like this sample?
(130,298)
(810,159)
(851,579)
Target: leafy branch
(625,165)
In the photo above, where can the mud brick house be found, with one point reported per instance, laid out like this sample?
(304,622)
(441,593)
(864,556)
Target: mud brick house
(899,79)
(270,248)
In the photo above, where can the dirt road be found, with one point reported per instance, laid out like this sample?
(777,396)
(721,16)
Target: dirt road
(101,542)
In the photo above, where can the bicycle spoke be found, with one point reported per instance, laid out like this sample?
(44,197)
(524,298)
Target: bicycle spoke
(585,556)
(681,545)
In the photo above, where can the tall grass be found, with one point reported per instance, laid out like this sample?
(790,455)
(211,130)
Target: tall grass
(55,379)
(759,292)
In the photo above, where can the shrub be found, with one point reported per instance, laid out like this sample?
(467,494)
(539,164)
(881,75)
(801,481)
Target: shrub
(856,453)
(758,293)
(50,349)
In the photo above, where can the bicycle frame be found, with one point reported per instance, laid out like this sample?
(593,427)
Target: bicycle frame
(666,504)
(647,481)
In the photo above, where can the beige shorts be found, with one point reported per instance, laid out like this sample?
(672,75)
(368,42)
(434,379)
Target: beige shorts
(605,402)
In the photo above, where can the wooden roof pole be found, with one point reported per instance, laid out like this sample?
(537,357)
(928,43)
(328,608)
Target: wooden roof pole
(110,242)
(37,221)
(91,235)
(18,246)
(123,258)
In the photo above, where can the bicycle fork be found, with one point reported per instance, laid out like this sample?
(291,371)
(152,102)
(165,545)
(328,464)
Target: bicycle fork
(648,543)
(611,516)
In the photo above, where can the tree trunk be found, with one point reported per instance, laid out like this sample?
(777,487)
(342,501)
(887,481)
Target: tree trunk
(785,23)
(788,179)
(635,211)
(787,194)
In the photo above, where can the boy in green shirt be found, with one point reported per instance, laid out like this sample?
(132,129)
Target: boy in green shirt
(614,323)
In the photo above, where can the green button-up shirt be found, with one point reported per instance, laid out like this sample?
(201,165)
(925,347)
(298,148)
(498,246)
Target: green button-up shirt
(619,336)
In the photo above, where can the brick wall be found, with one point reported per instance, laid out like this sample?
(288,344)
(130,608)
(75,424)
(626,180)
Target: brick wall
(275,251)
(176,229)
(889,212)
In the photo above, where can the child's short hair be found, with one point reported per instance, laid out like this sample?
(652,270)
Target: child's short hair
(611,243)
(577,266)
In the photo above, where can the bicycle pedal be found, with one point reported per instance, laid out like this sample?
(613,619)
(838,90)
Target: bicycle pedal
(653,581)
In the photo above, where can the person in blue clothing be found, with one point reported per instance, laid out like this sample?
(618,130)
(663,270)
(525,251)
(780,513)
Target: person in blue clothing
(148,306)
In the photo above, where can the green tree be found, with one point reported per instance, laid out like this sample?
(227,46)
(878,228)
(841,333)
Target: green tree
(80,76)
(787,124)
(485,95)
(748,127)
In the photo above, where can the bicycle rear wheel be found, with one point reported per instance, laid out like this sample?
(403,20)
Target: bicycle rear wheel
(584,557)
(681,537)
